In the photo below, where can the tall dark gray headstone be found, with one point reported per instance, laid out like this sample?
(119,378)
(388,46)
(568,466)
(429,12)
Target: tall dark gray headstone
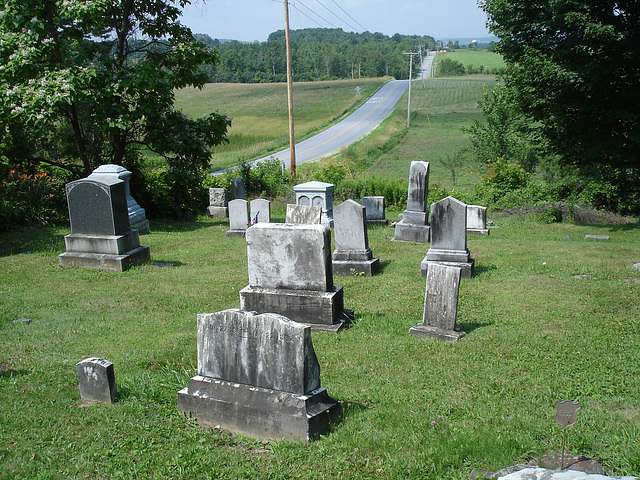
(258,375)
(449,237)
(440,304)
(96,380)
(100,235)
(414,226)
(352,253)
(237,189)
(290,273)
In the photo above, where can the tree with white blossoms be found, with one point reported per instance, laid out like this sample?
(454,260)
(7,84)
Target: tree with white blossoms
(89,82)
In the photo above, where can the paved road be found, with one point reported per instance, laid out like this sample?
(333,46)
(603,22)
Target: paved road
(354,126)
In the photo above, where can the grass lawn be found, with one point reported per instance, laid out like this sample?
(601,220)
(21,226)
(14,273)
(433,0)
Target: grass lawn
(549,315)
(477,58)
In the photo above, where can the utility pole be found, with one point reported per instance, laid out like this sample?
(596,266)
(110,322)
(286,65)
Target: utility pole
(421,46)
(411,54)
(292,137)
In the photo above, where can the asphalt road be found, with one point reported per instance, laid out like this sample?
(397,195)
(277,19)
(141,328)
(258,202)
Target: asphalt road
(354,126)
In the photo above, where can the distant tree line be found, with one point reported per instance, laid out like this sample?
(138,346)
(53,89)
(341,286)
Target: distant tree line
(317,54)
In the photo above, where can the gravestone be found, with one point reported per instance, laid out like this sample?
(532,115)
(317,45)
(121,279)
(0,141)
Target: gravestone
(260,211)
(352,253)
(449,237)
(238,218)
(303,215)
(96,379)
(237,189)
(374,207)
(218,203)
(137,216)
(317,194)
(440,304)
(414,226)
(100,235)
(290,273)
(477,220)
(258,375)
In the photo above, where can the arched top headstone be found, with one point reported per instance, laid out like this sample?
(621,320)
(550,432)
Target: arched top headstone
(98,205)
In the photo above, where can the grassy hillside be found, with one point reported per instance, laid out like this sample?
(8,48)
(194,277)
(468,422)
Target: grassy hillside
(260,112)
(477,58)
(550,316)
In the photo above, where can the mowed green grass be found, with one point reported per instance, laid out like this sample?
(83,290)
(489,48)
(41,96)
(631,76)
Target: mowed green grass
(476,58)
(260,112)
(549,316)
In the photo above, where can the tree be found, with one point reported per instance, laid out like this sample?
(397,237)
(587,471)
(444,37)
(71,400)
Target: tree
(573,68)
(89,83)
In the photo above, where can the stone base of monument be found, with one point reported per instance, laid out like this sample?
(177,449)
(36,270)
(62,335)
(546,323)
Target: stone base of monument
(114,253)
(376,221)
(142,226)
(351,262)
(407,232)
(454,258)
(478,231)
(218,212)
(236,233)
(422,330)
(319,310)
(259,412)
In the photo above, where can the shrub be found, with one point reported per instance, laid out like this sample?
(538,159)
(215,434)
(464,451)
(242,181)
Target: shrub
(501,178)
(393,191)
(31,194)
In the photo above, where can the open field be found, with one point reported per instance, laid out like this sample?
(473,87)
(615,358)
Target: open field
(476,58)
(261,115)
(549,317)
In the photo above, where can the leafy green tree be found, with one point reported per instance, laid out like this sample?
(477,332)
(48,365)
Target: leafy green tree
(91,82)
(573,67)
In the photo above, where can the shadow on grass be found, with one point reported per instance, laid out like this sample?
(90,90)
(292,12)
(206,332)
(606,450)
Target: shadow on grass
(484,268)
(468,327)
(171,226)
(25,240)
(12,373)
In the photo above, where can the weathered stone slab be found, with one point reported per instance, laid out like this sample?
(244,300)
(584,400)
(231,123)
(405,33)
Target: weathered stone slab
(105,261)
(258,375)
(440,304)
(597,237)
(303,215)
(290,273)
(545,474)
(352,252)
(317,194)
(477,220)
(237,189)
(295,257)
(375,210)
(137,215)
(260,211)
(96,379)
(218,203)
(238,217)
(414,226)
(449,237)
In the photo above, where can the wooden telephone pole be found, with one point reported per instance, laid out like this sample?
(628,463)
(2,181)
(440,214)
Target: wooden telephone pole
(411,54)
(292,137)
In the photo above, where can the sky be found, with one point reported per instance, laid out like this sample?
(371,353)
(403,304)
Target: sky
(251,20)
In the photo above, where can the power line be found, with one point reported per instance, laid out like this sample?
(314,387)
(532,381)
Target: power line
(363,28)
(337,16)
(316,14)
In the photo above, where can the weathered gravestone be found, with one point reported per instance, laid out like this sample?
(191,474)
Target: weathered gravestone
(352,253)
(290,273)
(477,220)
(414,226)
(317,194)
(137,215)
(100,235)
(237,189)
(238,218)
(258,375)
(449,237)
(218,203)
(303,215)
(374,207)
(96,379)
(260,211)
(440,304)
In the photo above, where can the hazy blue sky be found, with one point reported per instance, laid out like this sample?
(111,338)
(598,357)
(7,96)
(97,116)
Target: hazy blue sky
(250,20)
